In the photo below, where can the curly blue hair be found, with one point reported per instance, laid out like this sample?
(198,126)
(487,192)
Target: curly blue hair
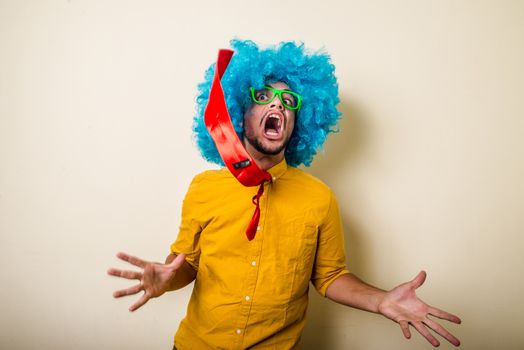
(309,74)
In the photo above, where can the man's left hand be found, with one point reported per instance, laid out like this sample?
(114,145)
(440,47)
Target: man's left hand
(402,305)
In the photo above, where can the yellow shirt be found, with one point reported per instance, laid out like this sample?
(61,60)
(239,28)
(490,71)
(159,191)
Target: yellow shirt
(254,294)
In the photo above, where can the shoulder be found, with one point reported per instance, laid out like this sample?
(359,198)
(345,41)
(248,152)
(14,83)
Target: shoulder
(211,184)
(308,182)
(305,192)
(211,176)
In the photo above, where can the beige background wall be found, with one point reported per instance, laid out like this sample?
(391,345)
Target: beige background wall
(96,100)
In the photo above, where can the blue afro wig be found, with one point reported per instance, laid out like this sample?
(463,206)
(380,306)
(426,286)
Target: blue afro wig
(309,74)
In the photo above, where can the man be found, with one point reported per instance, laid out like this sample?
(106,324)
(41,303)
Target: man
(253,293)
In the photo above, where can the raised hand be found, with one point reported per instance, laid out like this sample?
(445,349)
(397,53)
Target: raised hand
(402,305)
(154,279)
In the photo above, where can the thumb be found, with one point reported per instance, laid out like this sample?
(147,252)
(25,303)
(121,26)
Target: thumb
(178,261)
(419,280)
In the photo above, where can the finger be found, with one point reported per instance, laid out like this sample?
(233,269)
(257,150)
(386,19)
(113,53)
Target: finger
(442,331)
(143,299)
(130,275)
(128,291)
(444,315)
(178,261)
(425,333)
(419,280)
(404,325)
(132,259)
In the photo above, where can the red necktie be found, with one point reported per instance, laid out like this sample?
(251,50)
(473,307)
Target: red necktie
(229,146)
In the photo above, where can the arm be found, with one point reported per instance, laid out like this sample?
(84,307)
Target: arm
(351,291)
(178,270)
(154,278)
(400,304)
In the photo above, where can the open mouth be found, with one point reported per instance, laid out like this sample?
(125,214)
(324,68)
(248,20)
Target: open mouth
(273,126)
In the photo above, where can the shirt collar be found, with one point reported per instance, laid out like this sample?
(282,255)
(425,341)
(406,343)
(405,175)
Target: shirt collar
(278,170)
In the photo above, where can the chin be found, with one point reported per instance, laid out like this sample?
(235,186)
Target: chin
(265,146)
(273,148)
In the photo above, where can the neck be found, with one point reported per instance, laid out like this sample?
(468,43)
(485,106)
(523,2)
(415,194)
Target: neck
(264,161)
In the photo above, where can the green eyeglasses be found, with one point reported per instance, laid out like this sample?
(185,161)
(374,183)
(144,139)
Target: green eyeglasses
(291,100)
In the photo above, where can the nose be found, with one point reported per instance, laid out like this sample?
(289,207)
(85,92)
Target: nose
(276,103)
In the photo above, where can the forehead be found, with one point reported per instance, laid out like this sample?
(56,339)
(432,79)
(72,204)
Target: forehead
(279,85)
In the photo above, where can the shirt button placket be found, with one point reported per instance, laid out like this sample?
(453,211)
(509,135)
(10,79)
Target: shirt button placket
(252,274)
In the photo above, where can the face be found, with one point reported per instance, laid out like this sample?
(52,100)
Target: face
(268,128)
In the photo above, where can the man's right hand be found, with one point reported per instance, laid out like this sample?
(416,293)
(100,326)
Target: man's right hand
(154,279)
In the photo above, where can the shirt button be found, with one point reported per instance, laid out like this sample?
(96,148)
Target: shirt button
(248,297)
(238,331)
(259,228)
(274,178)
(253,263)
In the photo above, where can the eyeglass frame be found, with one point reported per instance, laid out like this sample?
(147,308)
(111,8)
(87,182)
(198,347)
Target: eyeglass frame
(279,93)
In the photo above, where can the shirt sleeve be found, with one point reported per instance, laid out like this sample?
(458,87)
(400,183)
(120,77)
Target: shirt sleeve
(330,260)
(188,240)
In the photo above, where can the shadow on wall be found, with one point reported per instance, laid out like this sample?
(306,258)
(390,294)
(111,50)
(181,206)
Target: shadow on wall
(342,149)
